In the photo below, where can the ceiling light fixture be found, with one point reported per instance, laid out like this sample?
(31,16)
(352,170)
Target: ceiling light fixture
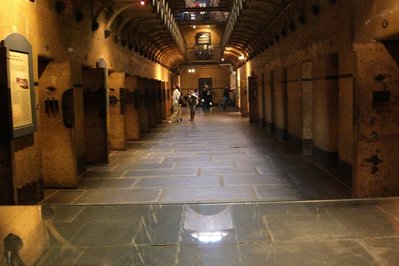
(142,2)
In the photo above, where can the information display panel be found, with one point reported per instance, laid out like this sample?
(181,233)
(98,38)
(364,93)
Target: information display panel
(17,87)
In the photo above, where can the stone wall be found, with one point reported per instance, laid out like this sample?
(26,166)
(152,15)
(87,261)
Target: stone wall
(343,82)
(376,99)
(59,39)
(309,86)
(220,78)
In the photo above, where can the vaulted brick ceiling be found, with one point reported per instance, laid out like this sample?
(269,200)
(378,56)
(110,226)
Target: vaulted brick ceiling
(250,26)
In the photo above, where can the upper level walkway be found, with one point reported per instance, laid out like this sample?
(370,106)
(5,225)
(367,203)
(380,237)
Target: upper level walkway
(219,157)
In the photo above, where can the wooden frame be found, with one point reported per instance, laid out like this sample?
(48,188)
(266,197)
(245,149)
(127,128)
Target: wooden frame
(17,87)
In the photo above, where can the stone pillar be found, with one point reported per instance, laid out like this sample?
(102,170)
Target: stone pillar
(56,132)
(376,168)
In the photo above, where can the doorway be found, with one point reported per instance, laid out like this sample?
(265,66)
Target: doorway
(205,92)
(326,111)
(95,115)
(253,99)
(307,108)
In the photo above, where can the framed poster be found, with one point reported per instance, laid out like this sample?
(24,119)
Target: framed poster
(203,38)
(17,87)
(19,82)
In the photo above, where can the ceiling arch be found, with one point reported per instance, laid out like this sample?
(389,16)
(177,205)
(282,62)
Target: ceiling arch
(152,27)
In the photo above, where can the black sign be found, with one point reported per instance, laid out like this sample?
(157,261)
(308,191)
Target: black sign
(203,38)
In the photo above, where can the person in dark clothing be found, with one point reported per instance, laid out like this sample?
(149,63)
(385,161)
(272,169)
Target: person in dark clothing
(192,103)
(226,96)
(206,98)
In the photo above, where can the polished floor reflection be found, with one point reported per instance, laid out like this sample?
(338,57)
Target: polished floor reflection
(316,233)
(219,157)
(217,191)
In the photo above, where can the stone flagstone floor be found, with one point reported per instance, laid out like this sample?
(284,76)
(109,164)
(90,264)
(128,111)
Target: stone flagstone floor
(220,157)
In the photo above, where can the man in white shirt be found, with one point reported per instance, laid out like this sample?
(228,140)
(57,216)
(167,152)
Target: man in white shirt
(176,116)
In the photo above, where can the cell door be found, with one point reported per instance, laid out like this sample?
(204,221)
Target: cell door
(253,99)
(95,115)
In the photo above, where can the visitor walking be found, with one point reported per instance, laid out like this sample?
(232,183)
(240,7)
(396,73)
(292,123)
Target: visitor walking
(176,116)
(226,97)
(192,102)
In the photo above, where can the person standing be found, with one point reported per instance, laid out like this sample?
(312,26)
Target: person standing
(176,116)
(192,103)
(226,96)
(206,98)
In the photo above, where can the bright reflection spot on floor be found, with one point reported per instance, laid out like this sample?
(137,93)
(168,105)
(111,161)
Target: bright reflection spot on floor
(209,237)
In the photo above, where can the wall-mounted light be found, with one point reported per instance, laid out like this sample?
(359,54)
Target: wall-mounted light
(191,70)
(142,2)
(241,57)
(222,59)
(193,26)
